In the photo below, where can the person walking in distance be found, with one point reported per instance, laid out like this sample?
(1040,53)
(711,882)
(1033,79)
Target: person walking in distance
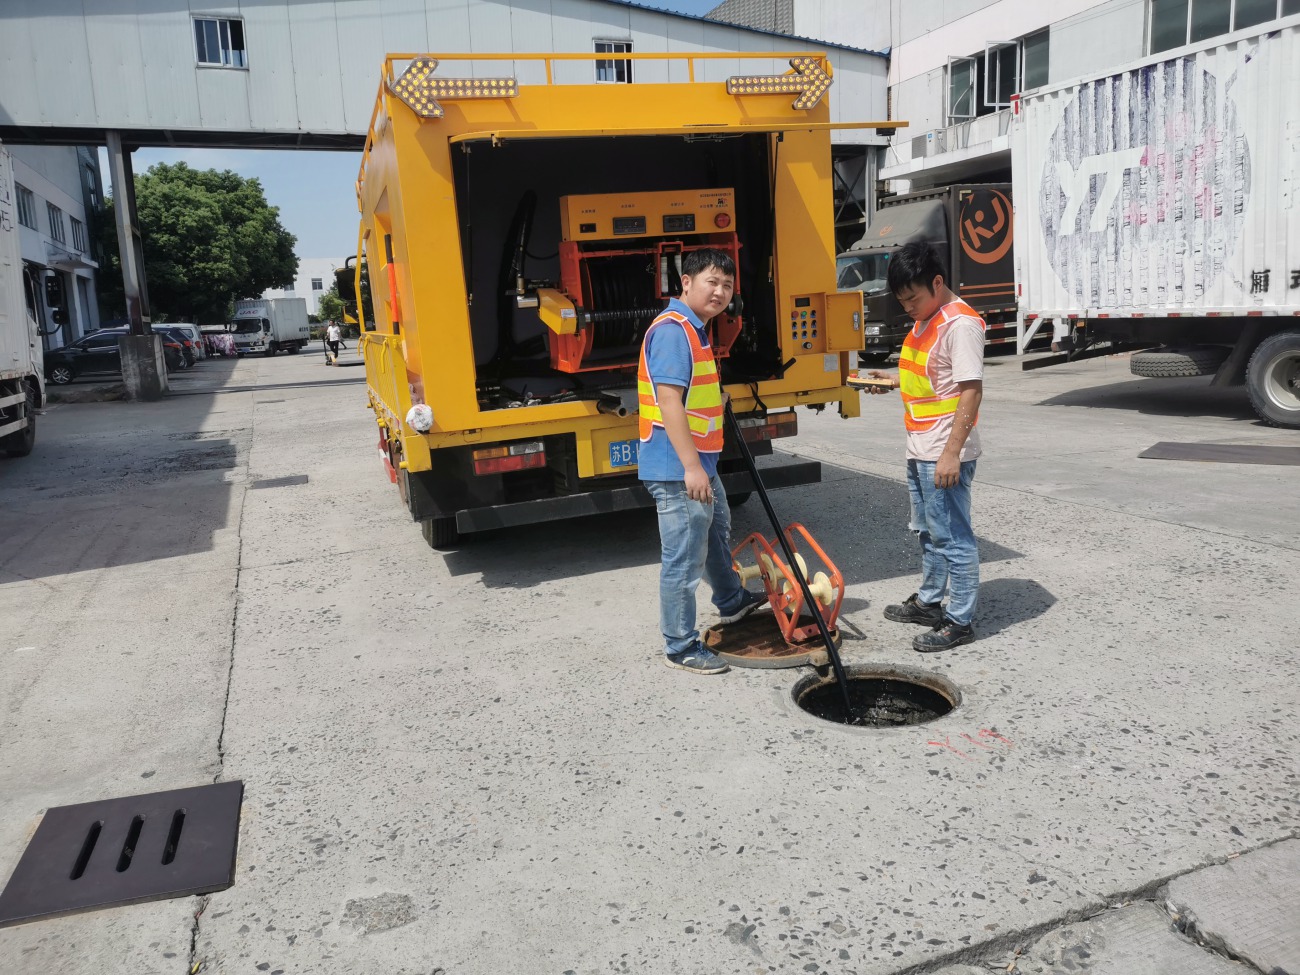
(333,336)
(941,378)
(680,426)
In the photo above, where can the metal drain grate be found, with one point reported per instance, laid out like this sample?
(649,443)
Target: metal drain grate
(126,851)
(273,482)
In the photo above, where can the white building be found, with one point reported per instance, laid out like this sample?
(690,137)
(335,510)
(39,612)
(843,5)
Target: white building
(315,277)
(955,65)
(58,190)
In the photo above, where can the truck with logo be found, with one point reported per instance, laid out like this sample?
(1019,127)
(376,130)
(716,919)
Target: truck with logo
(22,373)
(1158,208)
(519,239)
(971,225)
(270,325)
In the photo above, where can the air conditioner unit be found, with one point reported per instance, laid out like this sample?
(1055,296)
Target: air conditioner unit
(930,144)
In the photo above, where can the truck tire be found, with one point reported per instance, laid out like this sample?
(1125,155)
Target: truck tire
(1169,363)
(1273,380)
(293,349)
(739,498)
(20,444)
(440,533)
(272,349)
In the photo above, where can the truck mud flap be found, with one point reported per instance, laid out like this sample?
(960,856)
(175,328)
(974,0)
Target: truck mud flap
(617,499)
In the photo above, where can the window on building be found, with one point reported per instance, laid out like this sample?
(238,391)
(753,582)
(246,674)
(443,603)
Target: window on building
(219,42)
(317,285)
(1035,57)
(26,206)
(1175,23)
(78,234)
(614,72)
(961,89)
(57,230)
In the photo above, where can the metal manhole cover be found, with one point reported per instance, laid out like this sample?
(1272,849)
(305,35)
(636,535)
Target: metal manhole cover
(756,642)
(126,851)
(275,482)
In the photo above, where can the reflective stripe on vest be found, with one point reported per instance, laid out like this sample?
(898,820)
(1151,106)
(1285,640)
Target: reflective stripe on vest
(922,407)
(704,409)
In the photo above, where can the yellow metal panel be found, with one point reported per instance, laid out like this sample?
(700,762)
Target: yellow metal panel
(602,216)
(843,322)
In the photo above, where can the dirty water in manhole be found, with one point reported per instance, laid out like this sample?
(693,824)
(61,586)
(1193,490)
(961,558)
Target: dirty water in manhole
(880,697)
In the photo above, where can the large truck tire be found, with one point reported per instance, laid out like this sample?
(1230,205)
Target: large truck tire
(1273,380)
(440,533)
(21,443)
(272,349)
(1170,363)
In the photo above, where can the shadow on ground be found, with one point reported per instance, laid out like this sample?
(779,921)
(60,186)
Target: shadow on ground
(1164,397)
(859,519)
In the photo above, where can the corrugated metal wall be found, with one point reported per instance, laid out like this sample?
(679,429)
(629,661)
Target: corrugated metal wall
(1172,186)
(313,65)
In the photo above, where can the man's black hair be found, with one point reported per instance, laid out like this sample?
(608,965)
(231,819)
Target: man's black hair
(915,264)
(697,262)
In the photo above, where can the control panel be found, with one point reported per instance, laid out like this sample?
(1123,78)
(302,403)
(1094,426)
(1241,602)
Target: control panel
(674,213)
(824,322)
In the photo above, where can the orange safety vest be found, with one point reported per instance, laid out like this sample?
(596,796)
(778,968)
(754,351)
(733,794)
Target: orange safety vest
(922,408)
(704,409)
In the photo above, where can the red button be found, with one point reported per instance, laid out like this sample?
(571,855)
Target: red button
(722,221)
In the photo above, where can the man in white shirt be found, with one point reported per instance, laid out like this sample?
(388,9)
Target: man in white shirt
(333,336)
(941,378)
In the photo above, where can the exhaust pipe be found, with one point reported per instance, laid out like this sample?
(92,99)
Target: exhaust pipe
(613,407)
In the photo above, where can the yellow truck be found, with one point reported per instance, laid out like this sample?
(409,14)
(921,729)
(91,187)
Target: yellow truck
(520,238)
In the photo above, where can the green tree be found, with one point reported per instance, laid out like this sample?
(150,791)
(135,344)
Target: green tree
(331,305)
(209,237)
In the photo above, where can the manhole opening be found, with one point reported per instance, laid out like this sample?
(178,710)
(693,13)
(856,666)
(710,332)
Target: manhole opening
(879,698)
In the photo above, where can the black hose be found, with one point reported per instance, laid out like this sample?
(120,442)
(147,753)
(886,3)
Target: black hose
(840,677)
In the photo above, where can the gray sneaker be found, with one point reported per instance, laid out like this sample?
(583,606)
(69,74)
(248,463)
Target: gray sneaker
(697,661)
(749,602)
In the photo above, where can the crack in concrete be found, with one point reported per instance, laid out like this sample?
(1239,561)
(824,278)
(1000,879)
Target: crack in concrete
(195,964)
(1016,942)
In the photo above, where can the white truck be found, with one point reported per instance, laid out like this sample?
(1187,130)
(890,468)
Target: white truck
(270,325)
(1159,206)
(22,378)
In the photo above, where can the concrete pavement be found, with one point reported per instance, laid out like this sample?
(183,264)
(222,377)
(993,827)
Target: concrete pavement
(474,762)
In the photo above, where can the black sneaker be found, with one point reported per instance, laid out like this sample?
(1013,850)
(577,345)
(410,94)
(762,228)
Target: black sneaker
(911,611)
(944,637)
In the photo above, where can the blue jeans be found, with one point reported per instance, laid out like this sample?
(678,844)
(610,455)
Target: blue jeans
(950,559)
(695,542)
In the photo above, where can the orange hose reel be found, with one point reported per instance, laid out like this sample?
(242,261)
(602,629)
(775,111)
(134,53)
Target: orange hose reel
(783,590)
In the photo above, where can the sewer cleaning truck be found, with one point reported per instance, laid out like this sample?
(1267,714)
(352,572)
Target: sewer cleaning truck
(22,376)
(1158,208)
(519,238)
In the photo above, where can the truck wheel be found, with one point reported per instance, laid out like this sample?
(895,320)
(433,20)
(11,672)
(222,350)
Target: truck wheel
(293,349)
(1273,380)
(739,498)
(440,533)
(20,444)
(272,349)
(1168,363)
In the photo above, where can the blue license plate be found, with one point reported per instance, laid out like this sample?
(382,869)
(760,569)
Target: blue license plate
(622,453)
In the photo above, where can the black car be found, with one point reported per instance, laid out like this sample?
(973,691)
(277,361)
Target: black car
(97,354)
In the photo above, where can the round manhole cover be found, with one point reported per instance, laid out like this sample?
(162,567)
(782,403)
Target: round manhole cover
(881,697)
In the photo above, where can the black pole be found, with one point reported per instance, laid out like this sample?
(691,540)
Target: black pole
(840,677)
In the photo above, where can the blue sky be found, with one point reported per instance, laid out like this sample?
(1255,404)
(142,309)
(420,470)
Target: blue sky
(314,190)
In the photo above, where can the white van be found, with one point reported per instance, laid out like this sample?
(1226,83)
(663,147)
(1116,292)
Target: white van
(193,331)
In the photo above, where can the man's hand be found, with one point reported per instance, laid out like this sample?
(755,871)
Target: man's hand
(947,471)
(698,487)
(877,374)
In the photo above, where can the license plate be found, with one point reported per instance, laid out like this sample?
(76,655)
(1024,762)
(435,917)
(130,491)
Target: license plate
(623,453)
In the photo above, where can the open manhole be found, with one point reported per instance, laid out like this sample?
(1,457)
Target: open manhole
(881,697)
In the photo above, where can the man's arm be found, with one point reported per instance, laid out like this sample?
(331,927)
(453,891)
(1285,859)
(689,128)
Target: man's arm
(672,404)
(947,472)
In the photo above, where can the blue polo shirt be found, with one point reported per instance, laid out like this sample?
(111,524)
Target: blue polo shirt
(668,359)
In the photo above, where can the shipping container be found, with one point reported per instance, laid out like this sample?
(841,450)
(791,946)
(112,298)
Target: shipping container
(1157,206)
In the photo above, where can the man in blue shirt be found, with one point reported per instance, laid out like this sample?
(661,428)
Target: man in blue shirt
(682,408)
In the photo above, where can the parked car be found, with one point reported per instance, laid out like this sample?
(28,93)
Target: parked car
(195,336)
(97,354)
(188,346)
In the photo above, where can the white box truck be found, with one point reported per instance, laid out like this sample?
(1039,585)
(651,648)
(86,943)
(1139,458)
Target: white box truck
(1159,206)
(270,325)
(22,374)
